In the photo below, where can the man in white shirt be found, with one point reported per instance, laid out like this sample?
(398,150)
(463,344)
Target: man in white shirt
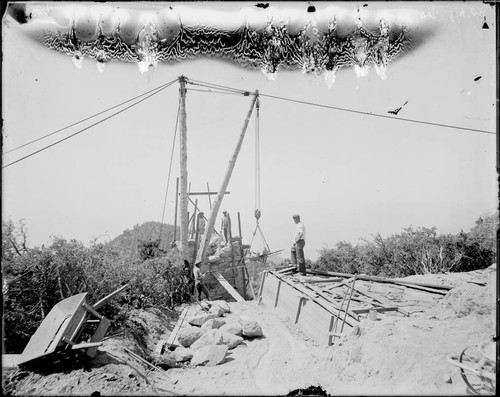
(298,245)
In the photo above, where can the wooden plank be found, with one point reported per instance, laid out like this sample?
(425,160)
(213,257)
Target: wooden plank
(381,279)
(378,309)
(105,300)
(285,270)
(431,290)
(172,339)
(86,345)
(98,335)
(228,287)
(325,280)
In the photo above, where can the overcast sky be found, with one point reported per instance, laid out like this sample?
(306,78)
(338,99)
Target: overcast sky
(348,175)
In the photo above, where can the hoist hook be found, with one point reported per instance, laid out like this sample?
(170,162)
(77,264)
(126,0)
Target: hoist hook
(257,214)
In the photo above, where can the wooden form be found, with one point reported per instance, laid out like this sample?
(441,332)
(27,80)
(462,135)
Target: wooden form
(323,311)
(313,314)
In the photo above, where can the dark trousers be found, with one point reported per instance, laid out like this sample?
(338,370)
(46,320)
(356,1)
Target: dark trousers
(200,288)
(298,255)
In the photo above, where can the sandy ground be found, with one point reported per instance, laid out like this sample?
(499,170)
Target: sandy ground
(394,355)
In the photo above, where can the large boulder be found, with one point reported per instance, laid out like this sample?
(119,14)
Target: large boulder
(230,340)
(188,335)
(216,310)
(210,355)
(182,354)
(199,320)
(223,305)
(251,329)
(232,326)
(165,360)
(210,337)
(214,323)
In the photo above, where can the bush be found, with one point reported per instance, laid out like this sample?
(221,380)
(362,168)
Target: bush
(416,251)
(36,279)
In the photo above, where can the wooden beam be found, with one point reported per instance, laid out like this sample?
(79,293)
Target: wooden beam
(378,309)
(228,287)
(204,193)
(105,300)
(171,341)
(86,345)
(98,335)
(183,167)
(205,240)
(381,279)
(331,280)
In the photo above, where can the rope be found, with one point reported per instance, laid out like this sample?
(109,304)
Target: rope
(246,93)
(85,119)
(90,126)
(257,161)
(169,170)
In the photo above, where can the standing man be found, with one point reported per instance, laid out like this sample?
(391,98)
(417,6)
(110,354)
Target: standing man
(188,278)
(226,227)
(198,284)
(298,245)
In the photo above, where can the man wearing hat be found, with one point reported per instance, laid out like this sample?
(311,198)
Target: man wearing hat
(226,227)
(198,284)
(298,245)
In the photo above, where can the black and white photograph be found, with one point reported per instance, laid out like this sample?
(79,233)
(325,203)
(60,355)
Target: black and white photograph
(249,198)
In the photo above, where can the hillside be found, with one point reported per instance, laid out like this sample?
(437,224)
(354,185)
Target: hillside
(392,355)
(128,240)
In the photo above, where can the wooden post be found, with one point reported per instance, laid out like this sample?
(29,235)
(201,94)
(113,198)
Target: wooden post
(183,167)
(195,221)
(242,261)
(176,204)
(202,252)
(196,235)
(209,198)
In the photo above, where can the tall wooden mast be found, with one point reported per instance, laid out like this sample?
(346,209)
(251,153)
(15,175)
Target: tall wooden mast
(183,171)
(205,240)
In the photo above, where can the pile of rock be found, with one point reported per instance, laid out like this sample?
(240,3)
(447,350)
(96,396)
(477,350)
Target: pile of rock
(208,335)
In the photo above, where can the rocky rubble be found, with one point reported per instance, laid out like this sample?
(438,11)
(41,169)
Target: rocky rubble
(208,336)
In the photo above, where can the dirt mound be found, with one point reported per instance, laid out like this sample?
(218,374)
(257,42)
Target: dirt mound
(474,294)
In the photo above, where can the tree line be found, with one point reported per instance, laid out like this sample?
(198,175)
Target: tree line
(35,279)
(416,250)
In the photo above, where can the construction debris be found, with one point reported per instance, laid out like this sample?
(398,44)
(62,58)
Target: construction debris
(61,331)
